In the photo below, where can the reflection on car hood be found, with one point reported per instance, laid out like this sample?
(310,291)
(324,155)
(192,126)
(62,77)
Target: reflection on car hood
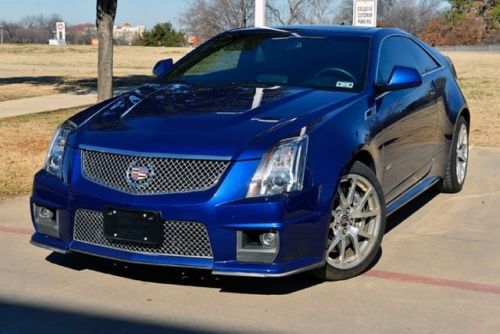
(228,121)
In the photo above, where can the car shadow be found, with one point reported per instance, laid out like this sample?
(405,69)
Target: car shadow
(181,276)
(227,284)
(78,86)
(400,216)
(21,317)
(409,209)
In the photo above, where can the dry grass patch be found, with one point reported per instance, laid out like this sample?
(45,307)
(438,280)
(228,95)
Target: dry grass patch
(21,91)
(134,57)
(39,70)
(479,77)
(23,146)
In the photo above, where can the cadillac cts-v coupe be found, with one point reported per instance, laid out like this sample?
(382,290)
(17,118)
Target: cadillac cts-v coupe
(263,152)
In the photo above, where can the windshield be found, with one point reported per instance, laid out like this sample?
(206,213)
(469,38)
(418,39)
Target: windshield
(336,62)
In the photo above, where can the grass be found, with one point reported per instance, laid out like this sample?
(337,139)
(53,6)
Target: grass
(23,146)
(38,70)
(479,78)
(22,90)
(25,139)
(128,57)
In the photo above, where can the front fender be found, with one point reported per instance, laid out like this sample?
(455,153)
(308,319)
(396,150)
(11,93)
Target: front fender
(335,141)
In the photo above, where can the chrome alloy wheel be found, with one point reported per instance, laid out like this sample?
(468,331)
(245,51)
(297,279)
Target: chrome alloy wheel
(462,153)
(355,223)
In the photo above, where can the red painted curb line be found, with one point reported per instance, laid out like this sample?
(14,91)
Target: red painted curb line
(393,276)
(16,230)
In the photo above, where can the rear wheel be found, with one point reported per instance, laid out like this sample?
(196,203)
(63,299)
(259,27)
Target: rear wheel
(456,170)
(357,225)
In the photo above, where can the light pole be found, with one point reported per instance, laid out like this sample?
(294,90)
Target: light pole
(260,13)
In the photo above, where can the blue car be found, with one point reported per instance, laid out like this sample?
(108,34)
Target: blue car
(264,152)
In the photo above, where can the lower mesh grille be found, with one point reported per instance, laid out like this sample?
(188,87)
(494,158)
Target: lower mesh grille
(180,238)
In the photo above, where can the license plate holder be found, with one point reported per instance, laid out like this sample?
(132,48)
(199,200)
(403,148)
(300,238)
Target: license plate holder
(143,227)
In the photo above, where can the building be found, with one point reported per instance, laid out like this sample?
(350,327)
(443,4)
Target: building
(127,34)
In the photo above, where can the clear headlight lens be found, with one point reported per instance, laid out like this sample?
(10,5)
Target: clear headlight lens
(55,154)
(281,169)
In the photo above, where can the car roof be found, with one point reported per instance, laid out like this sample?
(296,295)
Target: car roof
(331,30)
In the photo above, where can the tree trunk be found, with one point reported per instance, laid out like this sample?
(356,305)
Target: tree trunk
(105,18)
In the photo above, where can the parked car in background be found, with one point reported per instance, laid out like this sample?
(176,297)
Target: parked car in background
(264,152)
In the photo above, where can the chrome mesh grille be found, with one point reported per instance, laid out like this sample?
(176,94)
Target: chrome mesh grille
(164,175)
(180,238)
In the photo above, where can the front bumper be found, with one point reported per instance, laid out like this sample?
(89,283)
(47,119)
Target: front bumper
(301,219)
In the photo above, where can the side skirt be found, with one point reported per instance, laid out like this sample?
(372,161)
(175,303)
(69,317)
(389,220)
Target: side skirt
(411,193)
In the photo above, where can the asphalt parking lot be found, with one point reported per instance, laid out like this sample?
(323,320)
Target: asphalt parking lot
(439,272)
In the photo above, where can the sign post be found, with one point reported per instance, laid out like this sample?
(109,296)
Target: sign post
(260,13)
(364,13)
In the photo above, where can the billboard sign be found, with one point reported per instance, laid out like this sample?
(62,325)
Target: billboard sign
(60,30)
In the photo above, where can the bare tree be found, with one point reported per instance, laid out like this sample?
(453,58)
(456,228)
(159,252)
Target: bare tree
(30,21)
(105,18)
(413,16)
(31,29)
(206,18)
(320,12)
(286,12)
(290,12)
(344,12)
(409,15)
(8,29)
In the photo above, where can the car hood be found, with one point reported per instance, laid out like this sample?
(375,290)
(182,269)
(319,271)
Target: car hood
(236,122)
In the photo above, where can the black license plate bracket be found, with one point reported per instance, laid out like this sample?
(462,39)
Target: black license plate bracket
(143,227)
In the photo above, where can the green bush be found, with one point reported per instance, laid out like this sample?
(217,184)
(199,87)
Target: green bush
(162,34)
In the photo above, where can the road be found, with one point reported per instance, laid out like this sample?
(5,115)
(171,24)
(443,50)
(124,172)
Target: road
(438,272)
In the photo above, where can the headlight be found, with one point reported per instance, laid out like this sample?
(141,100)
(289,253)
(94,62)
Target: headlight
(55,154)
(281,169)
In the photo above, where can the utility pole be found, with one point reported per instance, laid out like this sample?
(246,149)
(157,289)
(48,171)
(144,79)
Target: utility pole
(260,13)
(1,33)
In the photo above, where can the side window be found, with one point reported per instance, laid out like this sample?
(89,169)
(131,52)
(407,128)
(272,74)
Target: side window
(224,59)
(424,61)
(393,53)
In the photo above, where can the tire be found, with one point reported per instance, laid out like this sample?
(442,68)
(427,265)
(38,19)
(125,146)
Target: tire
(357,225)
(456,169)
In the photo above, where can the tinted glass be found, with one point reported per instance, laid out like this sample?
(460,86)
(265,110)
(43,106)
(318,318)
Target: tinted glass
(401,51)
(424,62)
(392,53)
(337,63)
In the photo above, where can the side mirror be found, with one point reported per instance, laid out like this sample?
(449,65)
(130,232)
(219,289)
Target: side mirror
(162,67)
(401,78)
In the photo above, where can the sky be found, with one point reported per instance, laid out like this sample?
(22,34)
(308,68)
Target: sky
(135,12)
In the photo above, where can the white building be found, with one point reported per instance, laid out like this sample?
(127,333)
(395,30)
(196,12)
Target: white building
(126,33)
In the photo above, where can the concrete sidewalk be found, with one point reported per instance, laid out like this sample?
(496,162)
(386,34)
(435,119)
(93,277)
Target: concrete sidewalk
(40,104)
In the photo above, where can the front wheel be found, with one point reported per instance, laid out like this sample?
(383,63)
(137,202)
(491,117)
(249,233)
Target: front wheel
(356,227)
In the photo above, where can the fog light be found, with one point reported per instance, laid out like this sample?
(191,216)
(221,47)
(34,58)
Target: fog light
(47,220)
(45,213)
(257,246)
(268,239)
